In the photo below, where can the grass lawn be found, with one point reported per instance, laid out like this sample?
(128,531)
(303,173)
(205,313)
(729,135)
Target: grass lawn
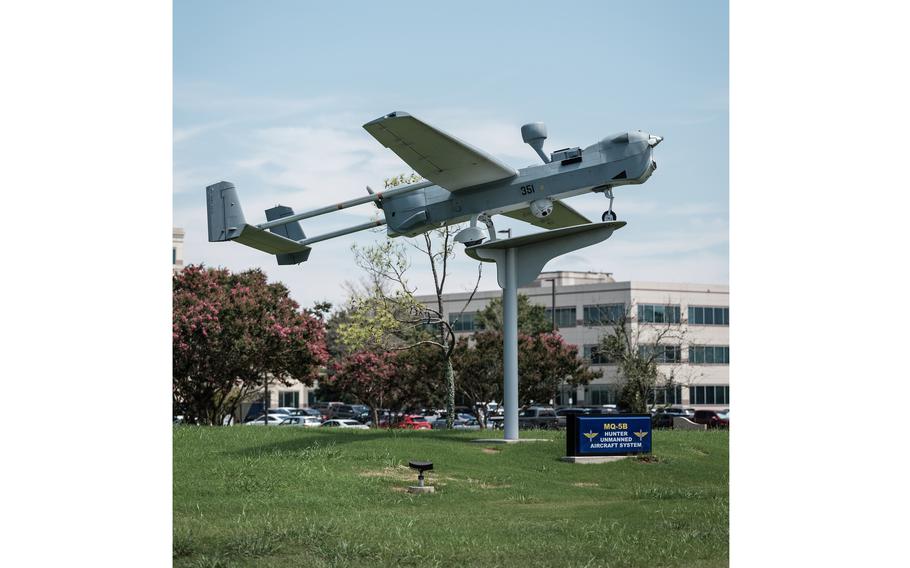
(268,496)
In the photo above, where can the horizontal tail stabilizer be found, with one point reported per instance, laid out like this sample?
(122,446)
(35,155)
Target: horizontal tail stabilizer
(227,223)
(267,242)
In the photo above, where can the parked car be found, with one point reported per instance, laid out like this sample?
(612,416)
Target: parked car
(271,412)
(687,412)
(327,408)
(359,412)
(572,411)
(494,408)
(463,422)
(364,413)
(273,420)
(713,418)
(602,410)
(540,417)
(344,423)
(414,422)
(663,418)
(306,412)
(303,421)
(466,424)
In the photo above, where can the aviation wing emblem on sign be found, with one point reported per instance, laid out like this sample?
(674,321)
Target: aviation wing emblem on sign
(640,434)
(590,435)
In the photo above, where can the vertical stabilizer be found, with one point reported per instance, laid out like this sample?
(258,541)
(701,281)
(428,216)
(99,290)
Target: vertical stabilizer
(291,231)
(226,219)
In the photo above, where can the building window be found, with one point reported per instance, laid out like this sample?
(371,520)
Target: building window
(594,355)
(463,322)
(174,255)
(289,399)
(672,395)
(661,353)
(602,394)
(709,394)
(709,354)
(603,314)
(565,317)
(653,313)
(708,315)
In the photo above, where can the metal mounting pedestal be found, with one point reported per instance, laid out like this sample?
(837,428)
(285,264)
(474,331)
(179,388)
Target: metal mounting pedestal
(519,260)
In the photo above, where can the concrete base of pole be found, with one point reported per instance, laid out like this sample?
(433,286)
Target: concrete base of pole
(420,490)
(508,441)
(592,459)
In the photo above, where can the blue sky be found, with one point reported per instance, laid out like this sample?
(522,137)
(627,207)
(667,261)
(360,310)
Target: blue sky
(272,95)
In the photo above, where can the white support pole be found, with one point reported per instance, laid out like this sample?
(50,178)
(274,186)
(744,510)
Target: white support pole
(510,346)
(519,260)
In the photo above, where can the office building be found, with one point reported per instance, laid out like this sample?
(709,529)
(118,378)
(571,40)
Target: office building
(697,316)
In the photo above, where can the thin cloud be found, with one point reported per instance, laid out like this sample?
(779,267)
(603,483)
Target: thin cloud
(189,132)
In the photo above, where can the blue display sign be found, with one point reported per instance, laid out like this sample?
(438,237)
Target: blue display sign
(612,435)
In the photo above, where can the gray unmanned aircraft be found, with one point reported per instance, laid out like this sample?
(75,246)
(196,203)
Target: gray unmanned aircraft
(463,184)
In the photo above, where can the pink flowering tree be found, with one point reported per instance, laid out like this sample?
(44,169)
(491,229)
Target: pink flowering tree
(368,376)
(231,334)
(545,361)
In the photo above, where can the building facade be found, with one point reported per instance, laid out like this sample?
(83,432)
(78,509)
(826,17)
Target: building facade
(693,319)
(177,250)
(295,395)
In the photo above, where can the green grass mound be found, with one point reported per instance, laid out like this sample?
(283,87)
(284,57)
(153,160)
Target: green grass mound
(294,497)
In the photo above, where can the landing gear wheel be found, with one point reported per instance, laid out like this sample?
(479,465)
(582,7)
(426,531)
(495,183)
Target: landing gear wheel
(608,215)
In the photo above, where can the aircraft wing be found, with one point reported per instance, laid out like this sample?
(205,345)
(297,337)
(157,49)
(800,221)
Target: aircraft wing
(437,156)
(562,216)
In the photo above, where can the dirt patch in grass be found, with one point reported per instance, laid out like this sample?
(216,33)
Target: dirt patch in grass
(484,484)
(584,484)
(490,450)
(398,473)
(646,458)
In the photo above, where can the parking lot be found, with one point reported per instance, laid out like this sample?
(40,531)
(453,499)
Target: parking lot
(359,416)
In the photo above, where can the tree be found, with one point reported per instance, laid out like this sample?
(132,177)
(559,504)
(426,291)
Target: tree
(231,334)
(333,341)
(386,315)
(396,380)
(368,376)
(532,318)
(478,362)
(545,361)
(421,377)
(637,349)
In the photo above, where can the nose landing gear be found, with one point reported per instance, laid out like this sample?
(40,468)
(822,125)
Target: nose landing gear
(609,214)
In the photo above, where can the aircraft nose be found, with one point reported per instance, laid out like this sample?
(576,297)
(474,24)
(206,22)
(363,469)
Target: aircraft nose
(654,140)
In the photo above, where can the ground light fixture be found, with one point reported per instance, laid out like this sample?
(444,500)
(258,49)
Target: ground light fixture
(420,466)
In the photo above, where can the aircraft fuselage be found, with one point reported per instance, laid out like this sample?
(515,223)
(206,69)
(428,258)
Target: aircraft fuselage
(621,159)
